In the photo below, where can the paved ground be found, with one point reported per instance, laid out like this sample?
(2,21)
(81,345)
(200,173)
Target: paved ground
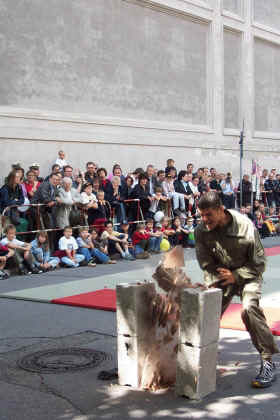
(28,327)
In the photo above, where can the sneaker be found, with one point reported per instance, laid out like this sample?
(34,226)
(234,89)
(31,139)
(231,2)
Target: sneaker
(143,255)
(24,272)
(129,257)
(91,264)
(36,270)
(3,275)
(111,262)
(266,376)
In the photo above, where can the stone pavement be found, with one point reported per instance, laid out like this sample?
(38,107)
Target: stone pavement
(29,327)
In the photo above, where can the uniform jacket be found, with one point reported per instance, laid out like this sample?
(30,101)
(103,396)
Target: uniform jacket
(237,247)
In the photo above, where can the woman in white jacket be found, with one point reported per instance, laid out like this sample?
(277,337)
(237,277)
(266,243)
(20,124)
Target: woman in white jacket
(69,197)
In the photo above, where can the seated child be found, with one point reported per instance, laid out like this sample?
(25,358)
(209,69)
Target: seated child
(88,249)
(140,240)
(67,249)
(41,252)
(117,242)
(181,234)
(189,227)
(22,257)
(155,236)
(102,245)
(168,232)
(259,223)
(5,253)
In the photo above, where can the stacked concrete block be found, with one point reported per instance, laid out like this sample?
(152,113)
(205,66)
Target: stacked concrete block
(135,330)
(198,342)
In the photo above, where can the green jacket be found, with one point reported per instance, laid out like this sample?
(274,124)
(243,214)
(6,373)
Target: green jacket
(237,247)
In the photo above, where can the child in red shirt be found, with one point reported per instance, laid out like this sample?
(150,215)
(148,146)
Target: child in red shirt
(140,240)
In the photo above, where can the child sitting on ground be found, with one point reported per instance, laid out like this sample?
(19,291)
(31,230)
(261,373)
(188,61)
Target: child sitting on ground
(168,233)
(102,245)
(155,236)
(67,249)
(140,240)
(22,257)
(5,253)
(87,248)
(117,242)
(189,227)
(41,252)
(181,234)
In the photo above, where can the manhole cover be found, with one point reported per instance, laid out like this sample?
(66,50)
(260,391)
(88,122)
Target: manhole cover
(62,360)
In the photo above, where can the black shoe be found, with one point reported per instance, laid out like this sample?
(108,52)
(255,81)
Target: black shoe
(24,272)
(36,270)
(266,376)
(3,275)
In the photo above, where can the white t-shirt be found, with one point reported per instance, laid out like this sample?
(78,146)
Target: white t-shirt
(61,162)
(86,199)
(69,244)
(105,235)
(5,241)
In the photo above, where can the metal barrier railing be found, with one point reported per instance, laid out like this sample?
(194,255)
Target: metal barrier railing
(41,226)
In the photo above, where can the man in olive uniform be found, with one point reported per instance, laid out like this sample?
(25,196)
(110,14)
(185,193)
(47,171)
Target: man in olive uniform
(230,253)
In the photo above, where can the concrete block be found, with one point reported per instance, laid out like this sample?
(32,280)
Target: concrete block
(131,356)
(200,316)
(133,309)
(196,371)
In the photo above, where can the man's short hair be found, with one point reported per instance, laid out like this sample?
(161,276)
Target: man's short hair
(143,176)
(158,190)
(55,165)
(210,200)
(67,228)
(101,169)
(9,228)
(108,222)
(160,172)
(52,175)
(169,161)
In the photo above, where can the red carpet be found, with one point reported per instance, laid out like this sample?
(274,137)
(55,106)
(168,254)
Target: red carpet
(270,252)
(232,318)
(104,299)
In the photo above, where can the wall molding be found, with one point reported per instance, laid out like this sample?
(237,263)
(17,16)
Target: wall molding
(195,10)
(233,16)
(266,135)
(87,119)
(265,28)
(265,35)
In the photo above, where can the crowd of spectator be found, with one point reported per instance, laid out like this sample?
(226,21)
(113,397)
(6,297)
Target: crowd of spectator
(74,217)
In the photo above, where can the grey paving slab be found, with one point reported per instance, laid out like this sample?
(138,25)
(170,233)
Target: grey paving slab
(82,396)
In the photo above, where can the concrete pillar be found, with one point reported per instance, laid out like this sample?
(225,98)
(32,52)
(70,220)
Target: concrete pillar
(135,329)
(198,342)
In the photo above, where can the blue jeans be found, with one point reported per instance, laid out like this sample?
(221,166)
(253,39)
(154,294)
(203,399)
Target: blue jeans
(90,253)
(120,211)
(154,243)
(138,249)
(40,258)
(78,257)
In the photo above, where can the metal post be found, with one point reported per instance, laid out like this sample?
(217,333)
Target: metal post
(241,162)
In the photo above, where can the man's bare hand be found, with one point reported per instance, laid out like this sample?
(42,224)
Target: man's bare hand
(226,275)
